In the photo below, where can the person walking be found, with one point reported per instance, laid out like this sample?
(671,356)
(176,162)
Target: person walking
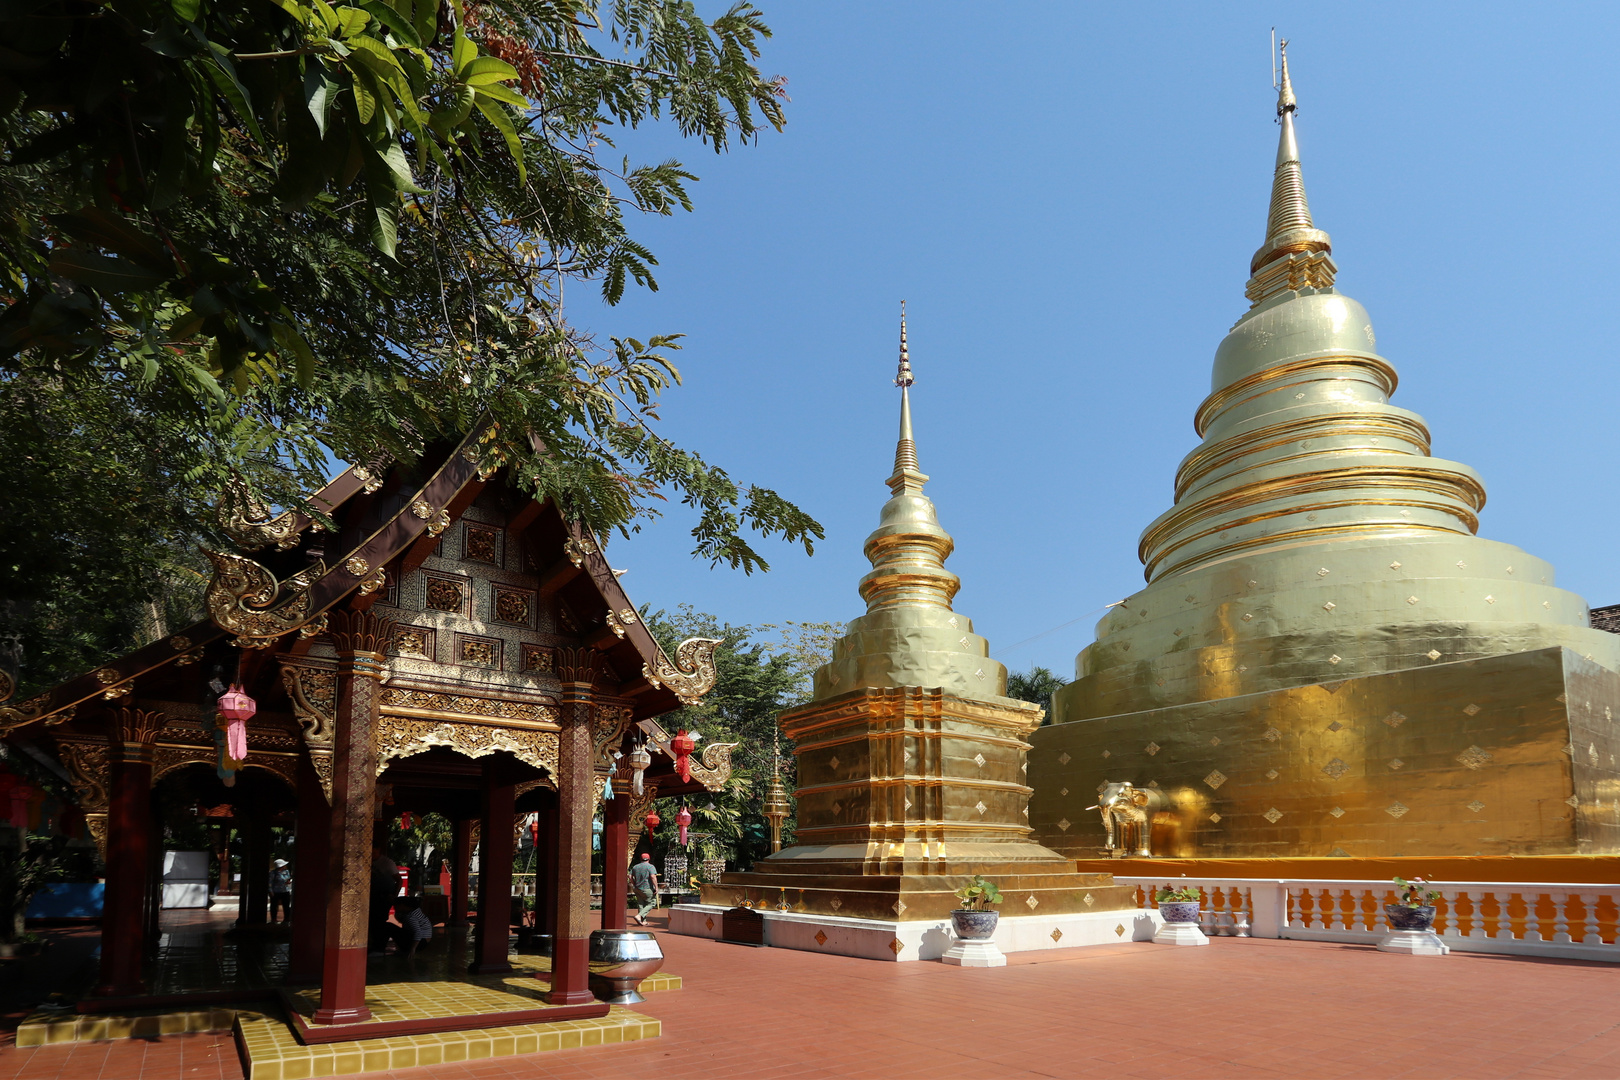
(414,926)
(644,880)
(280,890)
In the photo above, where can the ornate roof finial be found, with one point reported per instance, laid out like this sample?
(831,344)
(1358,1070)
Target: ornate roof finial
(907,475)
(1295,254)
(904,379)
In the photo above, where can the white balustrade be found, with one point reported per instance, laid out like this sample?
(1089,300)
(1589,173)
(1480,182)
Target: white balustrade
(1353,911)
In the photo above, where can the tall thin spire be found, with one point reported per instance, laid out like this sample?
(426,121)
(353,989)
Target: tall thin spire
(1295,254)
(907,475)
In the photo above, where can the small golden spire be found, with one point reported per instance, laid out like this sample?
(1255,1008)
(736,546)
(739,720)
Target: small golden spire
(1296,252)
(907,475)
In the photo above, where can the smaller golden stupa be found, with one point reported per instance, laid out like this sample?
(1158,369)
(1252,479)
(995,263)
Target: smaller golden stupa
(911,768)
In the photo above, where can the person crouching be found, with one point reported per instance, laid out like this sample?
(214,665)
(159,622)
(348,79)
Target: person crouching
(415,927)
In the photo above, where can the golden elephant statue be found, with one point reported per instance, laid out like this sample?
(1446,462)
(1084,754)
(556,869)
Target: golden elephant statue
(1127,811)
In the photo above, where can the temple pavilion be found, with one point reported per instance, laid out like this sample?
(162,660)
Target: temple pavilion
(451,645)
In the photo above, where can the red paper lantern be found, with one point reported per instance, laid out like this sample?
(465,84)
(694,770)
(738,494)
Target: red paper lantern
(534,834)
(405,820)
(683,819)
(683,744)
(653,821)
(237,709)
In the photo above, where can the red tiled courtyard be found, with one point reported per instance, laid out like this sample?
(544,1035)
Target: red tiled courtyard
(1239,1008)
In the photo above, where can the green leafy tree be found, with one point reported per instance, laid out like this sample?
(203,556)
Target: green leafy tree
(757,676)
(254,237)
(1038,684)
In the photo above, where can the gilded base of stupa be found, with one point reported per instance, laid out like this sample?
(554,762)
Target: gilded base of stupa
(1503,755)
(904,795)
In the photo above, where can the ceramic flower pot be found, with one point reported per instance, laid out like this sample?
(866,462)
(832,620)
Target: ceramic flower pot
(1179,911)
(1403,917)
(974,925)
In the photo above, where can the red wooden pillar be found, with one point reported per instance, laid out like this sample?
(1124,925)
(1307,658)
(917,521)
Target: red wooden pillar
(460,856)
(570,964)
(492,931)
(545,884)
(360,638)
(313,838)
(129,846)
(615,860)
(256,865)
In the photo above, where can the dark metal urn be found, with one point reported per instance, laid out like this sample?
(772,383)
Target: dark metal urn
(1179,911)
(974,925)
(1405,917)
(538,944)
(620,959)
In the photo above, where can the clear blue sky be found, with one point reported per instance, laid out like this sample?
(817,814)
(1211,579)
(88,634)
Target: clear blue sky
(1068,196)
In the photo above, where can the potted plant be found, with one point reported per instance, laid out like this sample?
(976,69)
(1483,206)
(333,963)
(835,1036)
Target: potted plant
(976,919)
(1179,905)
(23,872)
(1413,908)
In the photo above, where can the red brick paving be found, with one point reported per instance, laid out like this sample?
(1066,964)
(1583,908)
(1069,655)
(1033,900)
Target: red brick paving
(1238,1008)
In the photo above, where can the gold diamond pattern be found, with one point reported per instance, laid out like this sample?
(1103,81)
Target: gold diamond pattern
(1151,748)
(1433,654)
(1247,617)
(1476,806)
(1272,734)
(1394,566)
(1471,709)
(1272,815)
(1397,764)
(821,937)
(899,907)
(1215,779)
(1573,801)
(1474,758)
(1063,758)
(1108,753)
(1215,817)
(1329,606)
(1394,720)
(896,945)
(1057,935)
(1063,791)
(1031,902)
(1272,774)
(1337,811)
(1395,809)
(1063,826)
(1214,740)
(1119,931)
(1411,599)
(1335,658)
(1335,726)
(1323,572)
(709,922)
(836,903)
(978,759)
(980,807)
(1336,768)
(1089,900)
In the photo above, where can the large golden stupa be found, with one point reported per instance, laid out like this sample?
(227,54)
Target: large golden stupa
(1327,659)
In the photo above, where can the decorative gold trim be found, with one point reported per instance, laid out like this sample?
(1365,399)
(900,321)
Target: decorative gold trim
(400,737)
(88,764)
(376,580)
(249,523)
(240,598)
(357,566)
(432,704)
(691,676)
(1377,366)
(1207,459)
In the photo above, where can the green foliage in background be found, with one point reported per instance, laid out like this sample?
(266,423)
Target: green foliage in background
(1038,684)
(255,237)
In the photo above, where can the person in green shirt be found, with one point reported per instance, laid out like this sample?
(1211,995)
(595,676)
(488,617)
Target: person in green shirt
(644,879)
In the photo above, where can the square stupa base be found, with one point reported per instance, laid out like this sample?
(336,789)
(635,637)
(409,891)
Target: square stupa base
(1180,933)
(921,939)
(1414,943)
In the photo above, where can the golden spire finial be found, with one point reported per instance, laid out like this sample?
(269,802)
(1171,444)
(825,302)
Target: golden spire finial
(1295,253)
(907,475)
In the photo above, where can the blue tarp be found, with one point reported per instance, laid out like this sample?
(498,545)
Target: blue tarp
(67,900)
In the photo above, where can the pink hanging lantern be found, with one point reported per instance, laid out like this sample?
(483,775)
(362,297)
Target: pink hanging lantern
(237,709)
(683,819)
(683,744)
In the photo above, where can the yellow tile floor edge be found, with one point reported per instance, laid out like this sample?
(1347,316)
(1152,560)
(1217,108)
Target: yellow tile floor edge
(270,1052)
(50,1028)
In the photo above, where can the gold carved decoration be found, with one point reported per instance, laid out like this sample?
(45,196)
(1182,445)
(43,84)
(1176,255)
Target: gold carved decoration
(370,477)
(608,726)
(576,550)
(249,523)
(426,701)
(8,685)
(437,520)
(357,566)
(313,693)
(402,737)
(35,708)
(315,627)
(716,767)
(614,624)
(639,805)
(691,676)
(512,607)
(411,641)
(478,653)
(443,595)
(180,643)
(376,580)
(241,596)
(479,545)
(537,659)
(87,764)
